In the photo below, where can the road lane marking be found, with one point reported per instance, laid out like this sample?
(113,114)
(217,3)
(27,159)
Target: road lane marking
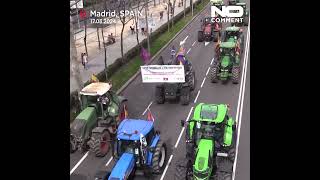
(109,161)
(203,81)
(76,166)
(197,97)
(207,71)
(147,108)
(176,145)
(243,84)
(206,43)
(193,43)
(182,42)
(211,61)
(188,51)
(165,170)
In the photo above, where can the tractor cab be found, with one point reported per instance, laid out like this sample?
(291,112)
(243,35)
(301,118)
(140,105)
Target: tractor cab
(132,135)
(232,33)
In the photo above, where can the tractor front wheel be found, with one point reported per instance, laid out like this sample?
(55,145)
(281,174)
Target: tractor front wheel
(193,81)
(185,95)
(159,158)
(214,74)
(160,94)
(223,176)
(100,143)
(181,172)
(215,36)
(235,75)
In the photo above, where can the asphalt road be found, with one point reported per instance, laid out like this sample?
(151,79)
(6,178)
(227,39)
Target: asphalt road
(168,115)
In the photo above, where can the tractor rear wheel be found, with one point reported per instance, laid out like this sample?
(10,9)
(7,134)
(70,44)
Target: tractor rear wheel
(193,81)
(223,176)
(246,20)
(159,158)
(215,36)
(100,143)
(160,94)
(232,154)
(214,74)
(73,144)
(185,95)
(200,36)
(235,75)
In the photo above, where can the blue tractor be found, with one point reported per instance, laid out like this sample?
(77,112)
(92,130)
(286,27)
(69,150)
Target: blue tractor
(137,148)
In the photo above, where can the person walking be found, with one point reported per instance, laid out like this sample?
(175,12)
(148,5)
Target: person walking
(82,60)
(132,29)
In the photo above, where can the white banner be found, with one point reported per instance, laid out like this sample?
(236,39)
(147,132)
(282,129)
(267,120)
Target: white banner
(163,73)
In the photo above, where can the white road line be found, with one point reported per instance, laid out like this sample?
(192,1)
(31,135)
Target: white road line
(211,61)
(208,71)
(165,170)
(176,145)
(206,43)
(188,51)
(203,81)
(197,97)
(147,108)
(185,38)
(109,161)
(243,85)
(76,166)
(193,43)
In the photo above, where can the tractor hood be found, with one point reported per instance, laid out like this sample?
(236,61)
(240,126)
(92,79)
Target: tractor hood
(225,62)
(201,166)
(207,29)
(123,168)
(78,125)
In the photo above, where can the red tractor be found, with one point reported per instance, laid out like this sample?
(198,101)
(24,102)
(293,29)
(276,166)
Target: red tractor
(210,30)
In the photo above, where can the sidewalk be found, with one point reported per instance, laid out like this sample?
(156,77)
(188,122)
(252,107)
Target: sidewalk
(96,56)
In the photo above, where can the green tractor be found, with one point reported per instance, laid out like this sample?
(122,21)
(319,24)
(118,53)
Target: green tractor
(233,2)
(227,64)
(210,145)
(233,34)
(96,125)
(245,20)
(217,3)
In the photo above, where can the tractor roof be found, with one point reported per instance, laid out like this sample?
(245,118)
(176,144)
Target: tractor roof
(130,129)
(233,28)
(216,1)
(227,44)
(210,112)
(202,159)
(241,4)
(94,89)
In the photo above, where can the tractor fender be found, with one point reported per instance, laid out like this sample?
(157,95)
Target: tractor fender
(122,99)
(153,145)
(228,134)
(99,129)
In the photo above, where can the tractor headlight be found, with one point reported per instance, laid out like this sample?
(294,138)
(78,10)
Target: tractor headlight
(198,125)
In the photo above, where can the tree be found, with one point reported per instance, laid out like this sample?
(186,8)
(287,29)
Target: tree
(136,18)
(184,8)
(105,55)
(124,21)
(173,6)
(97,25)
(74,64)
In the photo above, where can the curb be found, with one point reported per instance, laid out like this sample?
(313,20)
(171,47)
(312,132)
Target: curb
(160,51)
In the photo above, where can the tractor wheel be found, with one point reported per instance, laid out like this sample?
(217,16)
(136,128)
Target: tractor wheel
(102,175)
(214,74)
(200,36)
(193,80)
(73,144)
(235,75)
(159,158)
(100,143)
(215,36)
(181,170)
(232,154)
(223,176)
(223,36)
(160,94)
(160,61)
(246,20)
(185,95)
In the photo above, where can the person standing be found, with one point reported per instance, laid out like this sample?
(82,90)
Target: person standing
(85,61)
(82,60)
